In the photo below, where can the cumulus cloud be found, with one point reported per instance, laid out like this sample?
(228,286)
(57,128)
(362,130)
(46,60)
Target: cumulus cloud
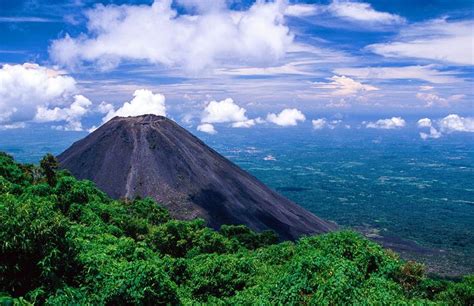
(26,87)
(434,134)
(344,86)
(387,124)
(223,111)
(144,102)
(71,114)
(440,40)
(34,93)
(104,107)
(287,117)
(157,34)
(227,111)
(424,122)
(449,124)
(456,123)
(319,124)
(206,128)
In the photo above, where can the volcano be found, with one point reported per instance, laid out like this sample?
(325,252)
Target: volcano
(152,156)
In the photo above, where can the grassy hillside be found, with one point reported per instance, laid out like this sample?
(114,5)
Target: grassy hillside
(63,241)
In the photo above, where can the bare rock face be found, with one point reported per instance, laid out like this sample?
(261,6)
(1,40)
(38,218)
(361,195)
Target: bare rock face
(153,156)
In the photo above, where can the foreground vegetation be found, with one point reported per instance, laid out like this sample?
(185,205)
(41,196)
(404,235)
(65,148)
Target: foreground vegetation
(63,241)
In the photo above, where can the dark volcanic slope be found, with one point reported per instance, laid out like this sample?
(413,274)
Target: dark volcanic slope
(153,156)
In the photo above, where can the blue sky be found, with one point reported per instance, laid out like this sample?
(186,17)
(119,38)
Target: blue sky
(73,64)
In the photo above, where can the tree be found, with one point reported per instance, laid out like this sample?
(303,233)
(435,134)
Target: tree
(49,164)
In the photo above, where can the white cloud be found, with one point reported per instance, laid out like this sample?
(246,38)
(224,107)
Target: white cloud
(432,99)
(434,134)
(71,115)
(16,125)
(319,124)
(456,123)
(426,73)
(359,12)
(426,87)
(227,111)
(244,124)
(300,10)
(424,122)
(144,102)
(344,86)
(287,117)
(387,124)
(439,40)
(223,111)
(31,92)
(448,124)
(18,19)
(206,128)
(26,87)
(104,107)
(362,12)
(157,34)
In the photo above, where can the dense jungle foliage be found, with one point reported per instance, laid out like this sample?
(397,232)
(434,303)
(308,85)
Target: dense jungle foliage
(64,242)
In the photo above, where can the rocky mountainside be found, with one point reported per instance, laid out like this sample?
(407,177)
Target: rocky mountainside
(153,156)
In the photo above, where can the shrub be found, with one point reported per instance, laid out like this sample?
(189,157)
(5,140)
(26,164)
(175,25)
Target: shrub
(248,238)
(216,275)
(49,164)
(34,250)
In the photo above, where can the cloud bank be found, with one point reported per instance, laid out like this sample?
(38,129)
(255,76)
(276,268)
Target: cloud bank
(157,34)
(31,92)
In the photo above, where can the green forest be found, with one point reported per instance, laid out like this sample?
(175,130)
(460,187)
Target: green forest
(64,242)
